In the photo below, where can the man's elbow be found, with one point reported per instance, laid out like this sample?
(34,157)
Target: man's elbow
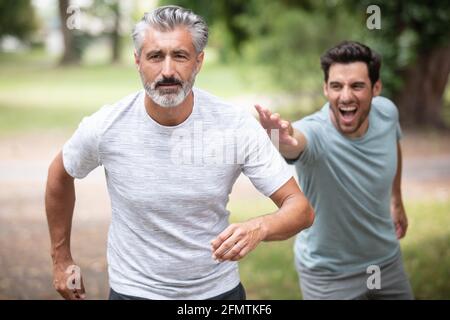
(305,213)
(309,216)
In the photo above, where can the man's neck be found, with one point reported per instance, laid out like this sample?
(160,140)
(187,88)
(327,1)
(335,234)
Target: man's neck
(170,116)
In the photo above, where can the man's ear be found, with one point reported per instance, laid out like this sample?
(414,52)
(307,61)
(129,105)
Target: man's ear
(377,88)
(325,89)
(137,60)
(199,59)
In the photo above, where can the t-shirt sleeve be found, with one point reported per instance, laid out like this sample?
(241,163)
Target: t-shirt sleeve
(314,135)
(262,163)
(392,110)
(80,152)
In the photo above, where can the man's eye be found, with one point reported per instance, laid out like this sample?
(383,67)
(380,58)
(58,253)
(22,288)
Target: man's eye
(154,57)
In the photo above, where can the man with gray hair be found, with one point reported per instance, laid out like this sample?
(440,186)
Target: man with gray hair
(171,154)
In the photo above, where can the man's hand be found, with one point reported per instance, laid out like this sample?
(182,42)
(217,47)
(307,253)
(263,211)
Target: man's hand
(236,241)
(271,121)
(400,219)
(68,281)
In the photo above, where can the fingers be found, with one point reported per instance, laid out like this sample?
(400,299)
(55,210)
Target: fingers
(237,240)
(228,244)
(221,238)
(264,113)
(69,282)
(284,124)
(225,247)
(289,140)
(70,294)
(237,251)
(241,252)
(400,229)
(232,251)
(263,119)
(275,117)
(80,293)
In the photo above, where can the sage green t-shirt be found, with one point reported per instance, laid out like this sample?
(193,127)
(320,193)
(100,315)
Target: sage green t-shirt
(349,183)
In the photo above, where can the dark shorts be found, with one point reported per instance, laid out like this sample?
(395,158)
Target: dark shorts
(238,293)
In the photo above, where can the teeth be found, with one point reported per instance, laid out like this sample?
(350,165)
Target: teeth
(347,108)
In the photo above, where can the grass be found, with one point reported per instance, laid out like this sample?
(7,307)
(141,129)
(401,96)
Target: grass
(269,273)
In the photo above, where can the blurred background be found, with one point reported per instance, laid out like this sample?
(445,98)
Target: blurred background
(63,60)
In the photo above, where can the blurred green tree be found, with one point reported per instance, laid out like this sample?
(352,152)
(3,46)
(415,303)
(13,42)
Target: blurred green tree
(17,18)
(224,16)
(72,48)
(110,12)
(414,37)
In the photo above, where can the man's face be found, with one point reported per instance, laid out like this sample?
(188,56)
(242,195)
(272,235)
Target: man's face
(168,64)
(350,92)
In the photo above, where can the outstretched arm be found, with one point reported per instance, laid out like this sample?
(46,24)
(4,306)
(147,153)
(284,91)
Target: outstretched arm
(294,214)
(292,141)
(397,209)
(59,205)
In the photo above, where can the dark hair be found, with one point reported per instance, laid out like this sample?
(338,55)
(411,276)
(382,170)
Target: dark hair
(352,51)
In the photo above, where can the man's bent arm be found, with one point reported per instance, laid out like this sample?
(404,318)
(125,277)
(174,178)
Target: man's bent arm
(294,214)
(59,205)
(397,209)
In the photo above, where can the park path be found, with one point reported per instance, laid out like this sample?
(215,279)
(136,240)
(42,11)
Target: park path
(25,265)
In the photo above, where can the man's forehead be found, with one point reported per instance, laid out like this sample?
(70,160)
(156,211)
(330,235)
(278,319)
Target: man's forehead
(178,38)
(344,71)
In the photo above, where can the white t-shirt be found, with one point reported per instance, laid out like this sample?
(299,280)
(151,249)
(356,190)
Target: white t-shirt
(169,188)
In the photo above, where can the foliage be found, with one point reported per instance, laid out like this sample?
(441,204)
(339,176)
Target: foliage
(223,16)
(17,18)
(408,29)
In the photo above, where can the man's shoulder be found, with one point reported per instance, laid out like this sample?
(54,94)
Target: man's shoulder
(384,107)
(109,113)
(212,106)
(205,98)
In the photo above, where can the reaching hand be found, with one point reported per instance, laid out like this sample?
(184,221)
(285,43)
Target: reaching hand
(272,121)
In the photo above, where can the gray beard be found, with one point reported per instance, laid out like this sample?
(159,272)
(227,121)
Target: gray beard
(168,98)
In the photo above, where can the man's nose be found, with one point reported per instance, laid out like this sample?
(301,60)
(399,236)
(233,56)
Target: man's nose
(346,94)
(168,68)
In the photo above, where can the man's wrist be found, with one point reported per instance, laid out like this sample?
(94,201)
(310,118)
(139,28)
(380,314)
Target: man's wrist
(61,257)
(263,226)
(397,203)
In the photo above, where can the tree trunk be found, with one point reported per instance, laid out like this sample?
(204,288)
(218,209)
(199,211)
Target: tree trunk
(115,34)
(421,98)
(70,55)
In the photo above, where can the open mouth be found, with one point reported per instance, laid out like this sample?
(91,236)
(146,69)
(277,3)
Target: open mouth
(348,113)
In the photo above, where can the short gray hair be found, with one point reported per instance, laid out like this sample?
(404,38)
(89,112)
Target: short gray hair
(167,18)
